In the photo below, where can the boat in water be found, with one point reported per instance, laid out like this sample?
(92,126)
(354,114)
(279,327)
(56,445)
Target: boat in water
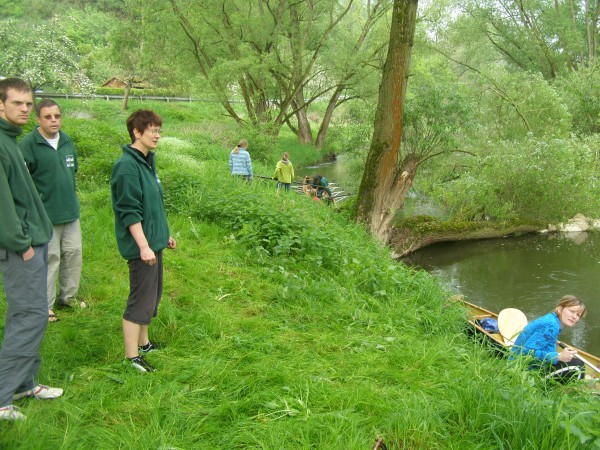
(478,319)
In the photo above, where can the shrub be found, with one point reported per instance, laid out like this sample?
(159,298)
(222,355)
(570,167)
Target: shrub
(533,179)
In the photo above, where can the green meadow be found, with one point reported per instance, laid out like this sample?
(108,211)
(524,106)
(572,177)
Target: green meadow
(284,324)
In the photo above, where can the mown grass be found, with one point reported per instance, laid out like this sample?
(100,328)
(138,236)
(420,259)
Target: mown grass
(285,325)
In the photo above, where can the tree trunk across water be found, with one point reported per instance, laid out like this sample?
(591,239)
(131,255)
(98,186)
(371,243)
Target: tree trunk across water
(405,240)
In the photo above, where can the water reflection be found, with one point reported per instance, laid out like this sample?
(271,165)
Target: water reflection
(335,171)
(530,273)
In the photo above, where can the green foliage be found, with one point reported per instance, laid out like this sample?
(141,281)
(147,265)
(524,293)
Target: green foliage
(261,145)
(537,36)
(41,54)
(538,180)
(527,104)
(11,9)
(580,92)
(437,109)
(357,132)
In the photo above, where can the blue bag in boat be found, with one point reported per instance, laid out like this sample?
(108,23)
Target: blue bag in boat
(488,324)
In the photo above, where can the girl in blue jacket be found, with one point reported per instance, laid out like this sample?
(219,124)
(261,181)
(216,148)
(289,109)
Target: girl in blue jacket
(538,338)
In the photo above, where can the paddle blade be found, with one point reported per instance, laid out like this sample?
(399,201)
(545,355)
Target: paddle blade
(511,322)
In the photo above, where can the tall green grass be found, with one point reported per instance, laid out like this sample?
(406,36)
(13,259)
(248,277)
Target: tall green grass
(285,327)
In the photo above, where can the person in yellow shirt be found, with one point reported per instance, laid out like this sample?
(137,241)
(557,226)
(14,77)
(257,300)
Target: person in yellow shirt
(284,173)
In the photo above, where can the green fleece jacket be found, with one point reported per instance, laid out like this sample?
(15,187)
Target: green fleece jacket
(53,173)
(137,196)
(23,219)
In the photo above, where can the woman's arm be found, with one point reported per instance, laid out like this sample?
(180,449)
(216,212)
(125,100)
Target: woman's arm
(539,339)
(146,253)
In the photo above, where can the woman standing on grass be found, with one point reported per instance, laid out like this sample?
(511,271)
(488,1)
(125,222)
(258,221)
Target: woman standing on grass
(240,163)
(538,339)
(142,232)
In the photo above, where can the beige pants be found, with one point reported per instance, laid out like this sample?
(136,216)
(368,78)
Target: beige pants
(64,262)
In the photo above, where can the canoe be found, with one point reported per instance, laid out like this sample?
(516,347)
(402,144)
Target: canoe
(302,187)
(337,193)
(476,313)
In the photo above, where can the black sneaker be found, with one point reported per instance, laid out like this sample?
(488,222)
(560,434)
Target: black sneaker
(149,347)
(140,363)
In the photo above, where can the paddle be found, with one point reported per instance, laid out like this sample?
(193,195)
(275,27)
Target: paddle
(511,322)
(581,358)
(298,183)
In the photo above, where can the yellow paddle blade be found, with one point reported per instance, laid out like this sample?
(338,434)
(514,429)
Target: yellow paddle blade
(511,322)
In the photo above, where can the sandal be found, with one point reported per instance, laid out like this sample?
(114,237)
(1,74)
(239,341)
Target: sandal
(52,318)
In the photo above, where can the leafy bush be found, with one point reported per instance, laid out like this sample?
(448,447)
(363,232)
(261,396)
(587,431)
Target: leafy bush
(580,91)
(530,180)
(261,145)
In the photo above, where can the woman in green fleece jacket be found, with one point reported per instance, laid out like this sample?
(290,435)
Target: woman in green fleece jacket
(142,232)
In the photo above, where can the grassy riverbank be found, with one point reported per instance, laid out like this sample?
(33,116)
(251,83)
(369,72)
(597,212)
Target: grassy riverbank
(284,325)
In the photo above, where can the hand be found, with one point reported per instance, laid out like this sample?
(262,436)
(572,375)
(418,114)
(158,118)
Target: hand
(172,243)
(147,255)
(30,253)
(567,355)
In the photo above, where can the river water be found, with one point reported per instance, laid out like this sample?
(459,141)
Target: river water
(530,273)
(335,171)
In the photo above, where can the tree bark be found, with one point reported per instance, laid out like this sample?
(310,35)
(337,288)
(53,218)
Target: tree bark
(304,131)
(124,105)
(385,183)
(333,102)
(592,13)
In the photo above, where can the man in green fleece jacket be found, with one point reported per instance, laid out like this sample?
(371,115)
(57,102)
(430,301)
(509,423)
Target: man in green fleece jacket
(52,162)
(25,230)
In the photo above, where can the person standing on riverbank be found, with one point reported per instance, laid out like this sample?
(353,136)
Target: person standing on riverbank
(240,163)
(538,339)
(284,173)
(142,232)
(52,162)
(25,231)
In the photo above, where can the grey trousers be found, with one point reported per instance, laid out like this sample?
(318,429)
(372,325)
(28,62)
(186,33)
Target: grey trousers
(64,262)
(24,283)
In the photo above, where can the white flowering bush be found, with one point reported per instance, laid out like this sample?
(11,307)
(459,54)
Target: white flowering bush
(43,55)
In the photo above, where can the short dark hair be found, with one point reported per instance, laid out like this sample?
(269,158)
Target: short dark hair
(46,103)
(13,83)
(140,120)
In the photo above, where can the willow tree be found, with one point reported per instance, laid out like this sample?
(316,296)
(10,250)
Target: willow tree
(265,51)
(547,36)
(387,177)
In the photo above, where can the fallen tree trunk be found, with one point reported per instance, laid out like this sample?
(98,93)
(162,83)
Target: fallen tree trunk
(412,235)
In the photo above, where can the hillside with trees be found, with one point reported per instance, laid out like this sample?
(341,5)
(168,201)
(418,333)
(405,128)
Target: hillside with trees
(501,100)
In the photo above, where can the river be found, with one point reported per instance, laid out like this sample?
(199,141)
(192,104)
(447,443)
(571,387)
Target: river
(335,171)
(530,273)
